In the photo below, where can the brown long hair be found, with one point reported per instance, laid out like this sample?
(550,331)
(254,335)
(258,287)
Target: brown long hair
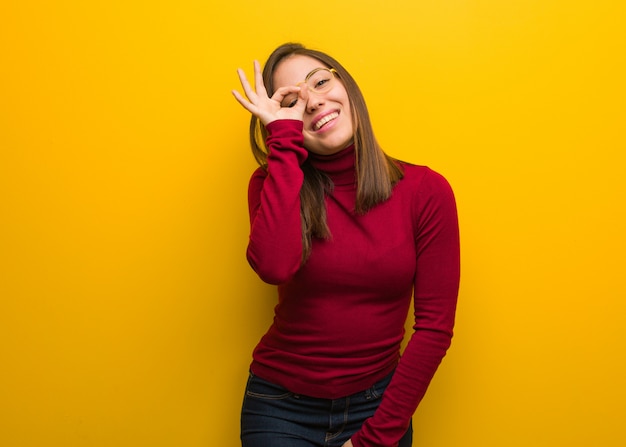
(376,171)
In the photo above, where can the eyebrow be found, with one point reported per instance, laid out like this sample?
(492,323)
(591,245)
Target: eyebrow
(315,70)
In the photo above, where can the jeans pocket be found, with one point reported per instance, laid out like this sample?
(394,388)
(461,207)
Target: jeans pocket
(379,387)
(262,389)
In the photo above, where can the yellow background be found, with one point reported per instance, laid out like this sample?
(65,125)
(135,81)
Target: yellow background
(128,312)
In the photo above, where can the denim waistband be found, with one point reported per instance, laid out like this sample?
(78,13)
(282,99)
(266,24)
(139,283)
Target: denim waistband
(374,391)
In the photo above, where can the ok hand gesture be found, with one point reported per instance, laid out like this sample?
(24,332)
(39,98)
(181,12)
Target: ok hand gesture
(265,108)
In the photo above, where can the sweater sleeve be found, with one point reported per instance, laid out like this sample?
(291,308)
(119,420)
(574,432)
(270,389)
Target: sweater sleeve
(435,296)
(275,245)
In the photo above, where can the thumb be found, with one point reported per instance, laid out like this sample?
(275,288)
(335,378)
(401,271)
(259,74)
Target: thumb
(303,100)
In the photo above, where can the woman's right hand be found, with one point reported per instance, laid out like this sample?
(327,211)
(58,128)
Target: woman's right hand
(265,108)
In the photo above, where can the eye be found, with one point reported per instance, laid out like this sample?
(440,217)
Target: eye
(321,83)
(320,80)
(289,101)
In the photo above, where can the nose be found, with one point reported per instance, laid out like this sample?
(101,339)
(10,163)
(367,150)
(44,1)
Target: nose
(314,102)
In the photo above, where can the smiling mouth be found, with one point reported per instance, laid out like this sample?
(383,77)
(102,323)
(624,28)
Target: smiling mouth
(326,119)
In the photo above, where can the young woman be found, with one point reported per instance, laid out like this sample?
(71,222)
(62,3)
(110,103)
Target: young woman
(349,235)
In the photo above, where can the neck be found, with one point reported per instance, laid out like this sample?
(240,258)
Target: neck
(340,166)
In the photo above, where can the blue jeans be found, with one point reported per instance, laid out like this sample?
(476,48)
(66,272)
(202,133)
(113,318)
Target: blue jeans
(272,416)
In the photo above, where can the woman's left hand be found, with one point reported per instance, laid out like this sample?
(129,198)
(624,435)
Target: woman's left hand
(348,443)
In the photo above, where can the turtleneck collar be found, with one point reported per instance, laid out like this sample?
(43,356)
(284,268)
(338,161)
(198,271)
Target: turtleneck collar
(340,167)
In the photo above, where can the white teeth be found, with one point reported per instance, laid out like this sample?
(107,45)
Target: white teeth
(327,118)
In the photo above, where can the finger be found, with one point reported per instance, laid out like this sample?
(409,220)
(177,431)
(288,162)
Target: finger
(280,94)
(244,102)
(258,79)
(238,97)
(245,84)
(303,99)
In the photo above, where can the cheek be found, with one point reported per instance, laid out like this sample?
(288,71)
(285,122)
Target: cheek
(350,120)
(349,115)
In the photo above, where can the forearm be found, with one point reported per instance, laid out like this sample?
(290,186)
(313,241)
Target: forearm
(275,245)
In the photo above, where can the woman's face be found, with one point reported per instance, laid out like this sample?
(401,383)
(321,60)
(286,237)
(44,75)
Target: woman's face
(328,126)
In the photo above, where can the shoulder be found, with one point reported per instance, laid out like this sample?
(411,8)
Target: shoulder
(259,173)
(423,179)
(430,196)
(257,179)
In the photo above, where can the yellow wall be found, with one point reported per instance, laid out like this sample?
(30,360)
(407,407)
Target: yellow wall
(128,311)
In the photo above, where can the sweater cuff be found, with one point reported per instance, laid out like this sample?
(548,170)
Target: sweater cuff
(285,125)
(286,135)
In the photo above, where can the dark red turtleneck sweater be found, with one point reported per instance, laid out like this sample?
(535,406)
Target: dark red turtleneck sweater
(339,322)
